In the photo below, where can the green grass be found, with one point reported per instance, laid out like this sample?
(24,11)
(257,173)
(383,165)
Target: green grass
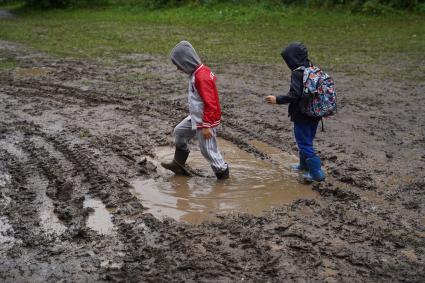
(85,133)
(8,64)
(7,60)
(224,34)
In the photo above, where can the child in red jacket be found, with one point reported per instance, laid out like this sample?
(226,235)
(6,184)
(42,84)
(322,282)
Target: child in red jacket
(204,113)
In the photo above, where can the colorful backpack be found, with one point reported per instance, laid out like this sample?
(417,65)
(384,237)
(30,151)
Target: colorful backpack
(319,95)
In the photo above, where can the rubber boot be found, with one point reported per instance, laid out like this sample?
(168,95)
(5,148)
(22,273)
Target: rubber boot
(315,172)
(302,166)
(223,174)
(178,163)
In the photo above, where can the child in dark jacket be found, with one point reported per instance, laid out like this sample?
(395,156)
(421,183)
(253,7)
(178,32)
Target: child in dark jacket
(296,57)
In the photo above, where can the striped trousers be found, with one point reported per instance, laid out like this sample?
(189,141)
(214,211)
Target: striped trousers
(183,132)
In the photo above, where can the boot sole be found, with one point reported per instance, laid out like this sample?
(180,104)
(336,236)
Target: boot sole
(183,171)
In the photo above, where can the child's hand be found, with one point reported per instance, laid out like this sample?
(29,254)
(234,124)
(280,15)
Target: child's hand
(207,133)
(271,99)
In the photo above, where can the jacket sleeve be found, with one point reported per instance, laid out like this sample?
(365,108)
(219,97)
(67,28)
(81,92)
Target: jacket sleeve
(295,90)
(208,92)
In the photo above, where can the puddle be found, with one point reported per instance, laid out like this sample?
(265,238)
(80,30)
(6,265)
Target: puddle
(100,219)
(48,218)
(254,185)
(283,159)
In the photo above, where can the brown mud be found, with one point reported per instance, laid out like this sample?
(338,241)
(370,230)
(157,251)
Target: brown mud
(73,136)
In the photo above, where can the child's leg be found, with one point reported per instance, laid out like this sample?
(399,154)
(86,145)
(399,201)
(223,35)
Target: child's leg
(304,136)
(209,150)
(183,132)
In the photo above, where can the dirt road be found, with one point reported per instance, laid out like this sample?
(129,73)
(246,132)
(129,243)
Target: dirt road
(72,131)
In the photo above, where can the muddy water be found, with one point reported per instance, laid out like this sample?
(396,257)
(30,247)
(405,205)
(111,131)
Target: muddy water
(254,185)
(48,218)
(100,219)
(282,159)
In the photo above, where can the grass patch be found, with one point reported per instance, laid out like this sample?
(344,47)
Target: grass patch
(223,34)
(7,61)
(85,133)
(8,64)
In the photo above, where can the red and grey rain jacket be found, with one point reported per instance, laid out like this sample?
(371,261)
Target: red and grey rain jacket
(204,104)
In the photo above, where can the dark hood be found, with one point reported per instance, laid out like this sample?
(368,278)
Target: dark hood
(296,55)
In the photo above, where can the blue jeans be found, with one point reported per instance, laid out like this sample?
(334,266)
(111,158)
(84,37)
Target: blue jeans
(304,136)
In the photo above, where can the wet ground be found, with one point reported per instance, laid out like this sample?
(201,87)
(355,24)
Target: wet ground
(254,185)
(78,141)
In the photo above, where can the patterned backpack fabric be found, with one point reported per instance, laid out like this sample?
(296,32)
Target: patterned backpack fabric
(319,95)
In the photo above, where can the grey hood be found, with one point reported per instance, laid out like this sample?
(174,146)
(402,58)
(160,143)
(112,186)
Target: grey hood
(184,56)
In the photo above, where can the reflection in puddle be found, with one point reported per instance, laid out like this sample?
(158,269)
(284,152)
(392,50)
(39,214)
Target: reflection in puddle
(100,219)
(254,185)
